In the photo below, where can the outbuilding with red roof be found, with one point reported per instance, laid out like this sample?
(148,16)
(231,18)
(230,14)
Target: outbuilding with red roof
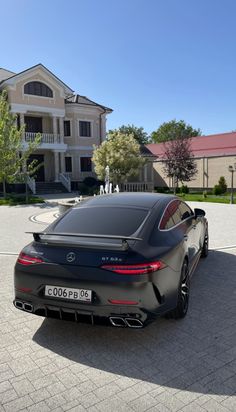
(213,154)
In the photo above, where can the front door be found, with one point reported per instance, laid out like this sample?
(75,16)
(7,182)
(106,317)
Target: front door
(39,174)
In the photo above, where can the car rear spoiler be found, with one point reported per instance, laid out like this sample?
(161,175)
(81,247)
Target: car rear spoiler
(124,239)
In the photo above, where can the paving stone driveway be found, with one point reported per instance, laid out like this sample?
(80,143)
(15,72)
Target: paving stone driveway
(187,365)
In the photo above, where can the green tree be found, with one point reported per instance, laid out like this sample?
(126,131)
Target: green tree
(121,153)
(173,130)
(137,132)
(221,187)
(222,184)
(14,155)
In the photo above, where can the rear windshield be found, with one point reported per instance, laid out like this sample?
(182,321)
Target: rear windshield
(102,221)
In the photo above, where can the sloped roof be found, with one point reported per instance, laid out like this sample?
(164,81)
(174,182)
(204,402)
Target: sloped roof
(83,100)
(5,74)
(33,67)
(223,144)
(145,152)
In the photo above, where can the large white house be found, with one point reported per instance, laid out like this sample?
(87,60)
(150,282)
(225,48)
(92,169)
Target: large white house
(69,124)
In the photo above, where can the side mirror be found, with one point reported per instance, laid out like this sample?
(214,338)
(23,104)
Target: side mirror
(199,212)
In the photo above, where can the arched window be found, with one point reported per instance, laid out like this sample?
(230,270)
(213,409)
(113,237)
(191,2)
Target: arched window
(38,89)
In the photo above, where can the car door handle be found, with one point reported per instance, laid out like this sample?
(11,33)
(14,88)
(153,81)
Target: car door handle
(185,237)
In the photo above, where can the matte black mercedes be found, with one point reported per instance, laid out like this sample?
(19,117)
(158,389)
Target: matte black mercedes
(123,259)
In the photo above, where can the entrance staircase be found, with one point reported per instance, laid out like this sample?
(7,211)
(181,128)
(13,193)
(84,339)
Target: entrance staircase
(50,188)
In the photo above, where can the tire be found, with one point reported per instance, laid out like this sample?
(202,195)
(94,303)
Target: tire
(204,252)
(183,295)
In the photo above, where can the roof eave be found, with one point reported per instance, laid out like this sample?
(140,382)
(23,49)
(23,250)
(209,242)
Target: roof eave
(69,90)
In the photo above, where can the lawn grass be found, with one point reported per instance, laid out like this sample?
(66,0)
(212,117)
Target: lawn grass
(13,200)
(195,197)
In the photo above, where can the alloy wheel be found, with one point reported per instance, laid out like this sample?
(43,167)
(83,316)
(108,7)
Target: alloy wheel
(184,289)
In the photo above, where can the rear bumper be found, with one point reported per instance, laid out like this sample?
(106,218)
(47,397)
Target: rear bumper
(152,299)
(84,314)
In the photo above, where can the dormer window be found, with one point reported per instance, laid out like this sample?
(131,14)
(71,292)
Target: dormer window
(38,89)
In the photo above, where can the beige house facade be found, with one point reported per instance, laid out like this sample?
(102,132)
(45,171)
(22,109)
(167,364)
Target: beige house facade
(69,124)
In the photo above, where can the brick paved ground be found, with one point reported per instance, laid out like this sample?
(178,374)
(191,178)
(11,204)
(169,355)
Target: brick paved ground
(187,365)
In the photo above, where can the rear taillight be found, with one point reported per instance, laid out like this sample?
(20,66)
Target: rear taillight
(139,269)
(27,260)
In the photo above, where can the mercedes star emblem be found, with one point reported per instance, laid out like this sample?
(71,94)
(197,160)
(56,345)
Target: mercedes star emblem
(70,257)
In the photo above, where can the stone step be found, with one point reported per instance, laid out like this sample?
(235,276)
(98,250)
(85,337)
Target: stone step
(50,188)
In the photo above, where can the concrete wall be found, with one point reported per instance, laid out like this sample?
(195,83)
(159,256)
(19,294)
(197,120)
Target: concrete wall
(209,171)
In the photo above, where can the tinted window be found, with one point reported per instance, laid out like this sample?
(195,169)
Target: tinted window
(166,221)
(172,215)
(66,128)
(185,211)
(173,209)
(102,220)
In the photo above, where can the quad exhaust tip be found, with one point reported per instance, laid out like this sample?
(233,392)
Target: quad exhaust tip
(118,321)
(134,323)
(124,322)
(23,306)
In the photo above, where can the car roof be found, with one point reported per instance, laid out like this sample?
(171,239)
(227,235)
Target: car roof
(134,199)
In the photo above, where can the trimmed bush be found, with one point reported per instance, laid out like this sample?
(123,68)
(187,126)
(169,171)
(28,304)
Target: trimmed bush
(217,190)
(184,189)
(90,181)
(162,189)
(222,184)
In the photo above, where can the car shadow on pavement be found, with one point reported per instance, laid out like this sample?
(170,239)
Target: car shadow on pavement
(196,354)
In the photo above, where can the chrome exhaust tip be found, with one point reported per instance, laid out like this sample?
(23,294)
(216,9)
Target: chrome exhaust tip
(18,304)
(117,321)
(28,307)
(133,323)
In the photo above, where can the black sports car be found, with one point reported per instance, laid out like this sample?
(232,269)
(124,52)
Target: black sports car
(123,259)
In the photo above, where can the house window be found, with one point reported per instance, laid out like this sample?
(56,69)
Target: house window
(84,129)
(67,128)
(85,164)
(38,89)
(68,164)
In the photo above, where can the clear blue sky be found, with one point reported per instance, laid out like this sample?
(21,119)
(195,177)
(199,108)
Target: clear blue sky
(149,60)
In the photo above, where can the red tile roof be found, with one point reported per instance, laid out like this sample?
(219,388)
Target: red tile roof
(204,146)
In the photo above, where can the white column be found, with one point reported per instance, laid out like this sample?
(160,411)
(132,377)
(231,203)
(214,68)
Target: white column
(56,163)
(103,127)
(54,127)
(22,123)
(152,172)
(61,129)
(145,172)
(22,119)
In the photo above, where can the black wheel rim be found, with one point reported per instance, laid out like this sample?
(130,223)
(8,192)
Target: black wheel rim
(185,290)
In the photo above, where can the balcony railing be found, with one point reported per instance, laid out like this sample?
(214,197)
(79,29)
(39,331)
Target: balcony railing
(45,137)
(137,187)
(65,180)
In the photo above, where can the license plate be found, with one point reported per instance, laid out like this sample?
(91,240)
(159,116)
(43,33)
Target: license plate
(82,295)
